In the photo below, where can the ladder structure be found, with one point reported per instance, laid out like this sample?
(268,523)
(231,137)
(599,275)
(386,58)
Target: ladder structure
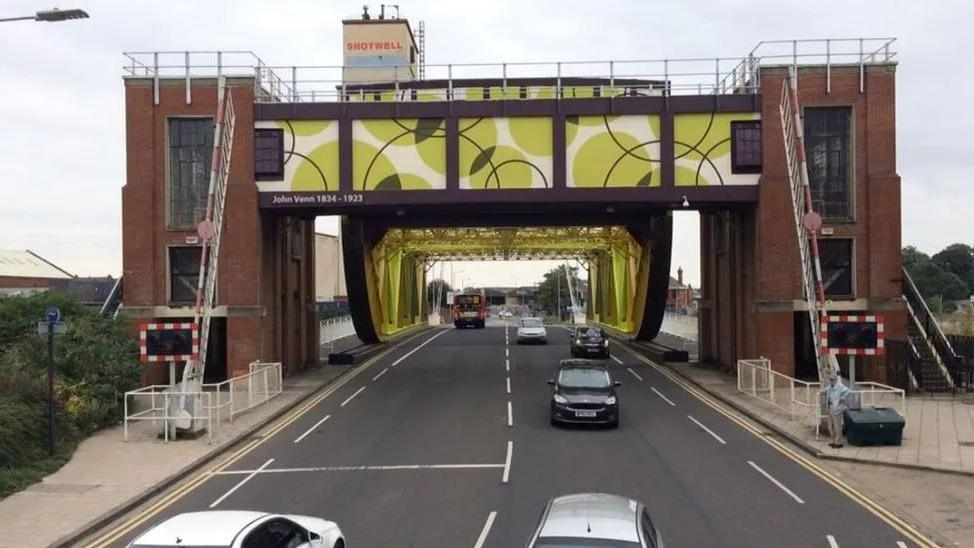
(807,221)
(210,229)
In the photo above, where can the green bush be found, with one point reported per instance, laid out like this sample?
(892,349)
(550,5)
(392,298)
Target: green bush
(96,361)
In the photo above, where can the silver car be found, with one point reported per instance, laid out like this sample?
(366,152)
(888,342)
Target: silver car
(595,520)
(531,330)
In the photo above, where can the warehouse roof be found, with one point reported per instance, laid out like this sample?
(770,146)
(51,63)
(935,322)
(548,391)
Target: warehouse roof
(27,264)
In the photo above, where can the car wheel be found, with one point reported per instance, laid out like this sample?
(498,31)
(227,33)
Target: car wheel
(554,421)
(340,544)
(615,423)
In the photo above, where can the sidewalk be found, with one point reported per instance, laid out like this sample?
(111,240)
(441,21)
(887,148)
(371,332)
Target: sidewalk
(939,433)
(106,472)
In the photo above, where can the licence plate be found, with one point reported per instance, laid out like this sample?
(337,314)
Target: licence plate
(584,413)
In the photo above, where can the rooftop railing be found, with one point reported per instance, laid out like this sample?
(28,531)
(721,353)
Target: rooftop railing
(512,81)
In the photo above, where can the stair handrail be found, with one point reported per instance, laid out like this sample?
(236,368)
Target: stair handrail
(115,295)
(937,339)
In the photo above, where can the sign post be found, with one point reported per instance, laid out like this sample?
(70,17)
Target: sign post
(53,318)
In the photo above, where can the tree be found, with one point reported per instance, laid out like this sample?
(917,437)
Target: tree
(912,257)
(437,287)
(553,283)
(932,281)
(958,259)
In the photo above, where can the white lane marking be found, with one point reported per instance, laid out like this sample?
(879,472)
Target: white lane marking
(707,430)
(832,543)
(507,352)
(362,468)
(615,359)
(312,429)
(508,385)
(486,530)
(507,462)
(357,392)
(776,482)
(410,353)
(634,374)
(900,544)
(510,415)
(660,394)
(242,482)
(507,365)
(383,372)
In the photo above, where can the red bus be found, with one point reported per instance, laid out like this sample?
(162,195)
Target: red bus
(469,309)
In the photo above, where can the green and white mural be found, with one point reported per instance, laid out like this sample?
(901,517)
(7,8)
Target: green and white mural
(399,154)
(505,153)
(310,155)
(613,151)
(702,149)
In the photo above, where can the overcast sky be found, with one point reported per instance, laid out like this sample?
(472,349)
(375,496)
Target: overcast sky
(62,146)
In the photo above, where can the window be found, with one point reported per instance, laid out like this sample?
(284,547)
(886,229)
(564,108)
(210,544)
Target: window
(269,154)
(836,257)
(184,271)
(190,151)
(827,141)
(278,533)
(649,531)
(746,147)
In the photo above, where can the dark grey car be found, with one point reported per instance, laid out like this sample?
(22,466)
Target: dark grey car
(584,392)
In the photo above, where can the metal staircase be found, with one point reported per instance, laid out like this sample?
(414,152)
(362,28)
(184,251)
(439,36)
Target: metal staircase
(113,303)
(936,355)
(807,222)
(210,230)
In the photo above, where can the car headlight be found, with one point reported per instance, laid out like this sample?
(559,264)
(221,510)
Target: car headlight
(578,341)
(611,400)
(560,399)
(605,343)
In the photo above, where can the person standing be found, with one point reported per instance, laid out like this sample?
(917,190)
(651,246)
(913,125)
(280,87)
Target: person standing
(837,395)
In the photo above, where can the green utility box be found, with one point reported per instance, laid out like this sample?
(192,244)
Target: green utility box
(874,426)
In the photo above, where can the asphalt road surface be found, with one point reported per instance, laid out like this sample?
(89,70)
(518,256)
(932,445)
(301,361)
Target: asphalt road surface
(425,444)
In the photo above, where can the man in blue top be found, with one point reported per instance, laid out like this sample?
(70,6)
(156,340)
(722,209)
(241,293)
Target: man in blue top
(837,395)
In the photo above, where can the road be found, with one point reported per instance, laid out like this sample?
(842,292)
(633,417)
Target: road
(420,447)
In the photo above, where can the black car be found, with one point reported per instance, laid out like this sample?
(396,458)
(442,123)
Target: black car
(584,392)
(589,341)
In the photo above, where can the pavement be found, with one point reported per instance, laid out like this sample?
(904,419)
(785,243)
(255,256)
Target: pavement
(107,473)
(446,442)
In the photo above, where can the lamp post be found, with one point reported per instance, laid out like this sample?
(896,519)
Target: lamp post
(49,16)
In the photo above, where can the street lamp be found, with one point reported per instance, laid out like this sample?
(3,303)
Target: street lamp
(50,16)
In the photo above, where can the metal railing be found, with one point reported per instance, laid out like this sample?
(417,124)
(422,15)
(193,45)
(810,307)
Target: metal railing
(219,402)
(515,80)
(933,336)
(332,329)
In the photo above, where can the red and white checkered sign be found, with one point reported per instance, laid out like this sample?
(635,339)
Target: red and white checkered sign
(880,348)
(144,342)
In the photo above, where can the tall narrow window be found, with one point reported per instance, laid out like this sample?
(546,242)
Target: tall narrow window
(827,141)
(190,151)
(836,257)
(269,154)
(746,146)
(184,271)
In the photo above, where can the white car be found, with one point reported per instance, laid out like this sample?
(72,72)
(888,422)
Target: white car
(531,330)
(239,529)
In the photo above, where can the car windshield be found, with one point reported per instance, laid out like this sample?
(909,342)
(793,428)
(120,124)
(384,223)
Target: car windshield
(531,322)
(589,332)
(559,542)
(583,378)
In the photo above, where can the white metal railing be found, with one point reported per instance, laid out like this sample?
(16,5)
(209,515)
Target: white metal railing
(219,402)
(622,78)
(332,329)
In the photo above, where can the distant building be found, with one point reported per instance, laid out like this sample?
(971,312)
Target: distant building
(25,273)
(329,270)
(679,297)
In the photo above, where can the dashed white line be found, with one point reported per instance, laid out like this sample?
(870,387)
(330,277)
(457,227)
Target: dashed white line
(310,430)
(508,385)
(507,352)
(507,462)
(239,485)
(410,353)
(776,482)
(510,415)
(357,392)
(362,468)
(707,430)
(660,394)
(900,544)
(832,543)
(486,530)
(615,359)
(383,372)
(634,374)
(507,365)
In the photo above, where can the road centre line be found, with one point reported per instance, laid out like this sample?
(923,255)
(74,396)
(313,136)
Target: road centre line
(357,392)
(507,462)
(508,385)
(707,430)
(507,365)
(486,530)
(510,414)
(383,372)
(832,542)
(410,353)
(876,509)
(507,352)
(112,535)
(660,394)
(615,359)
(312,429)
(776,482)
(241,483)
(634,374)
(361,468)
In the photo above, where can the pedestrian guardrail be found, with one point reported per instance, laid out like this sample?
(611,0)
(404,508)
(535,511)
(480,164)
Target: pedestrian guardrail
(217,402)
(332,329)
